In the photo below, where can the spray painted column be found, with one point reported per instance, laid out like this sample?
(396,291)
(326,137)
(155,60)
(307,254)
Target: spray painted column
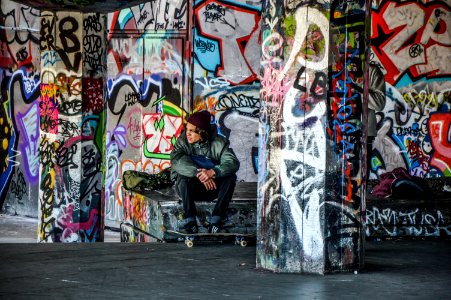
(73,63)
(311,192)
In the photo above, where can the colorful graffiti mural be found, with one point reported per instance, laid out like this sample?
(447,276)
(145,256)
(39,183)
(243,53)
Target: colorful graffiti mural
(19,111)
(410,43)
(78,103)
(147,93)
(226,58)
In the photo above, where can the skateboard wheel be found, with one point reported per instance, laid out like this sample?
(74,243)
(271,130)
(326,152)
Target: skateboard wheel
(243,243)
(189,243)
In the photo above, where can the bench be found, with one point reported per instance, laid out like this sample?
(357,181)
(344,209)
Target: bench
(148,215)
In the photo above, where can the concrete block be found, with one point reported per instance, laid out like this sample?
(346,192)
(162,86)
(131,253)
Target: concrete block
(401,218)
(148,215)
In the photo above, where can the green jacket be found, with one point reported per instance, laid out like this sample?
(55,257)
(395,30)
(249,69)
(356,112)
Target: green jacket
(217,149)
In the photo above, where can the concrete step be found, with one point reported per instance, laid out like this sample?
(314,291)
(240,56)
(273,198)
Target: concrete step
(406,218)
(148,215)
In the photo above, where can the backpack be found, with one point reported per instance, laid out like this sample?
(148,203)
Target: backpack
(141,181)
(400,184)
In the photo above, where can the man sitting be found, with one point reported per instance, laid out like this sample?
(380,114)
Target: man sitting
(204,168)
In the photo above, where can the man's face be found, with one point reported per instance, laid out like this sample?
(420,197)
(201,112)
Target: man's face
(192,134)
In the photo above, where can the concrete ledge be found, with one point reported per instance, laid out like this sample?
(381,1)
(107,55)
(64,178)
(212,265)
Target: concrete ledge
(407,218)
(148,215)
(401,218)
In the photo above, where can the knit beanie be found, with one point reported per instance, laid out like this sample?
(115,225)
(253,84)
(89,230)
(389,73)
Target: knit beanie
(201,120)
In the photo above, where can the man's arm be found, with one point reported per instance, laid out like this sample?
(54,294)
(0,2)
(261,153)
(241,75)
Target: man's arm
(180,159)
(228,162)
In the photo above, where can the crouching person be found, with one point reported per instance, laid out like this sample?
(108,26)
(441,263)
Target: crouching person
(204,168)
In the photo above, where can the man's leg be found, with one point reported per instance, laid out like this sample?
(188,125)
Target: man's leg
(188,188)
(225,187)
(186,191)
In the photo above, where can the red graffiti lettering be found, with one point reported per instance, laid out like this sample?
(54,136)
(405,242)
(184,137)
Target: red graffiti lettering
(413,38)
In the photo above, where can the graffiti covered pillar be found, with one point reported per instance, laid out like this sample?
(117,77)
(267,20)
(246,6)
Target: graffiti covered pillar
(71,126)
(310,196)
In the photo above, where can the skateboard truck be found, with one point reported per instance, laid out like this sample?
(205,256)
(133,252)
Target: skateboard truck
(189,239)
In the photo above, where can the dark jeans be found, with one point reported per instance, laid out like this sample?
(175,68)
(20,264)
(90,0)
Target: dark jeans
(190,189)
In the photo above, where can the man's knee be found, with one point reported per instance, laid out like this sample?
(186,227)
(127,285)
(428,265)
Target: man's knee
(183,184)
(184,180)
(229,180)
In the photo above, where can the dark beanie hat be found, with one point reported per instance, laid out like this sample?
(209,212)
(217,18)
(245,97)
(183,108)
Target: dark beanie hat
(201,120)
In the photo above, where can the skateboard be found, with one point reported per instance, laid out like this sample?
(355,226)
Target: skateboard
(189,238)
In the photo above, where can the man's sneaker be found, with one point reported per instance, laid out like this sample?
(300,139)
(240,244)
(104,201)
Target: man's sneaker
(189,228)
(215,228)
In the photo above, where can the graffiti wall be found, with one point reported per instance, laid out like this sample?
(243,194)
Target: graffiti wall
(19,109)
(82,95)
(150,83)
(310,179)
(147,92)
(226,62)
(411,45)
(74,111)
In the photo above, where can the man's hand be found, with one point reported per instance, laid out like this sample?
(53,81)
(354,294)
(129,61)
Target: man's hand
(204,175)
(210,185)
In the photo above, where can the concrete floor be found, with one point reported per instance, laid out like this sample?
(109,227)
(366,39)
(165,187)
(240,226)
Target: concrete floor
(415,269)
(16,229)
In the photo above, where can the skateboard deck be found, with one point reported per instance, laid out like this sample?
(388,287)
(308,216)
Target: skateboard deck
(190,238)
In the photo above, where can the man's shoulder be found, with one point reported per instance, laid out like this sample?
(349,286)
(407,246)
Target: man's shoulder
(218,139)
(182,143)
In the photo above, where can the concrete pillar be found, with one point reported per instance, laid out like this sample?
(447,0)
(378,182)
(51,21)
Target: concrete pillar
(311,192)
(72,122)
